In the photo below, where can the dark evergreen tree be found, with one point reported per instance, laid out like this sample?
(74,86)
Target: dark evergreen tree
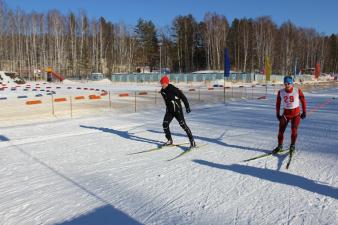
(333,53)
(184,29)
(147,49)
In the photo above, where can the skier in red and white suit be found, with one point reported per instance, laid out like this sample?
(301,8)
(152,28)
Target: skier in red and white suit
(291,97)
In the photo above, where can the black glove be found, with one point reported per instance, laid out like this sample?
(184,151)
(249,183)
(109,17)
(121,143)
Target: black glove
(188,110)
(303,115)
(278,116)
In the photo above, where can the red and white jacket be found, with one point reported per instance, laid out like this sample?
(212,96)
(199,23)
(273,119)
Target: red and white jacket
(290,101)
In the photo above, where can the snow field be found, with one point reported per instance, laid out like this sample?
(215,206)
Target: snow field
(83,170)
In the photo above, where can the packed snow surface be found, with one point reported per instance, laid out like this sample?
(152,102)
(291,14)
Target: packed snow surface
(85,170)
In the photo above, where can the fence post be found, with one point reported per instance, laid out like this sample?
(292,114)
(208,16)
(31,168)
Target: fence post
(224,93)
(109,101)
(155,95)
(224,89)
(199,94)
(252,92)
(71,107)
(232,90)
(53,111)
(135,101)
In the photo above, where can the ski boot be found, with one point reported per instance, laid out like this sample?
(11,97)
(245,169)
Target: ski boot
(169,142)
(192,143)
(277,149)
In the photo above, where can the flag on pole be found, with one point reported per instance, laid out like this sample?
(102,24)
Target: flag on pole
(295,70)
(317,70)
(267,69)
(226,63)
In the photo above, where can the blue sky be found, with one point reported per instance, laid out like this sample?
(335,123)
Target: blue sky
(321,15)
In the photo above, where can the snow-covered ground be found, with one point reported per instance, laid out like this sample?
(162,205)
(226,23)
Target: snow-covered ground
(83,171)
(77,103)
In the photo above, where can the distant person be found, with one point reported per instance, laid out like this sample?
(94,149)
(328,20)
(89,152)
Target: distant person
(291,97)
(172,97)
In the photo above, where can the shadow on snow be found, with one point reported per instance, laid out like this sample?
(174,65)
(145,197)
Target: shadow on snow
(108,212)
(277,177)
(130,136)
(3,138)
(124,134)
(102,215)
(217,141)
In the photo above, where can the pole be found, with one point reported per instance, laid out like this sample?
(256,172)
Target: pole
(199,94)
(53,111)
(71,107)
(295,69)
(232,89)
(155,96)
(160,58)
(251,91)
(109,101)
(224,88)
(135,101)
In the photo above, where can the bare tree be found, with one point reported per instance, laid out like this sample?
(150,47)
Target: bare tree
(73,45)
(264,30)
(215,36)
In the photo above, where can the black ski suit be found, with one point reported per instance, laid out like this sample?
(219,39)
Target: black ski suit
(172,97)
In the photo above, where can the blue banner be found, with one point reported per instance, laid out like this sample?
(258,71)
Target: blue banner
(226,63)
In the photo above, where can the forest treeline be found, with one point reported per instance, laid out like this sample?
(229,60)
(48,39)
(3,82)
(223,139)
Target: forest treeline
(75,45)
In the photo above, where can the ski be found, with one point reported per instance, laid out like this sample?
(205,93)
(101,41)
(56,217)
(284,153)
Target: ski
(159,148)
(265,155)
(289,160)
(187,151)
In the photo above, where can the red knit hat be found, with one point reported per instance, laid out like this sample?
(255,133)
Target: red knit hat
(164,80)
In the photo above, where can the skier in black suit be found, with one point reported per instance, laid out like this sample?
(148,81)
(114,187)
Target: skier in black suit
(172,97)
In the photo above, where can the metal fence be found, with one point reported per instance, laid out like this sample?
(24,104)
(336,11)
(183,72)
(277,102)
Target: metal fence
(69,105)
(201,77)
